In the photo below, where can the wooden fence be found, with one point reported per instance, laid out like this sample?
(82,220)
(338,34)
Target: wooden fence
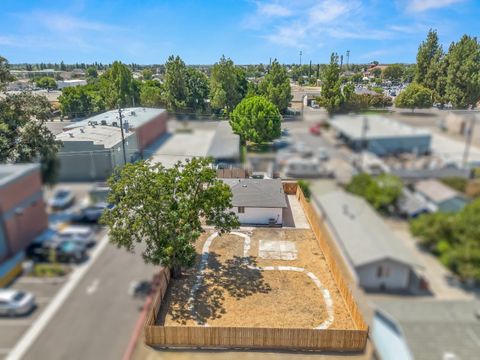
(265,338)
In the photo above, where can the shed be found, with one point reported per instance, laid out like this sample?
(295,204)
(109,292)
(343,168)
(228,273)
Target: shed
(439,196)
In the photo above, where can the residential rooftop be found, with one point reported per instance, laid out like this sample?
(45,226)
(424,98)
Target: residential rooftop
(266,193)
(12,172)
(363,235)
(435,191)
(134,117)
(107,136)
(378,127)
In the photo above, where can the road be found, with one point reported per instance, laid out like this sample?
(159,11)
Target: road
(97,319)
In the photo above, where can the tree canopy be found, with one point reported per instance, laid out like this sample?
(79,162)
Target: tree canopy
(429,61)
(275,86)
(393,72)
(332,97)
(163,208)
(118,87)
(256,119)
(228,85)
(415,96)
(46,82)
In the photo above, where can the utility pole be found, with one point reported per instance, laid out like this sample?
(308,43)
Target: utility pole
(310,70)
(123,136)
(300,57)
(364,142)
(341,62)
(468,140)
(348,58)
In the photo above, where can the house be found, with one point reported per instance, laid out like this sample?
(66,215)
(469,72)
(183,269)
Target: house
(92,152)
(22,215)
(440,197)
(433,329)
(376,257)
(258,201)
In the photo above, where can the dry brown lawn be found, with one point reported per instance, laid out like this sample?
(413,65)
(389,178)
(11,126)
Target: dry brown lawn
(232,294)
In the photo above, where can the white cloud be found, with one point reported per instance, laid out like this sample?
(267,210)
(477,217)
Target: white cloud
(273,10)
(424,5)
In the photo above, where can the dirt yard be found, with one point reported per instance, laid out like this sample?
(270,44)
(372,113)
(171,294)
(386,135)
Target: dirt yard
(263,278)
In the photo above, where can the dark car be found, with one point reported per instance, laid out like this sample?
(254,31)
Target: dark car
(90,214)
(63,251)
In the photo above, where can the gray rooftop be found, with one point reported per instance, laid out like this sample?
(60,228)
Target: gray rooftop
(265,193)
(225,144)
(108,136)
(435,328)
(12,172)
(378,127)
(363,235)
(134,117)
(435,191)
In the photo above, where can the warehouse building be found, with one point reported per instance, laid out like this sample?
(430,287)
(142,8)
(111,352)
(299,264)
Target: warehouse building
(147,123)
(22,215)
(92,152)
(380,135)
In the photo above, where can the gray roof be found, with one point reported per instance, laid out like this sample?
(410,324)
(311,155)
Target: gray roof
(225,144)
(11,172)
(378,127)
(410,204)
(263,193)
(434,328)
(435,191)
(108,136)
(363,235)
(135,117)
(419,174)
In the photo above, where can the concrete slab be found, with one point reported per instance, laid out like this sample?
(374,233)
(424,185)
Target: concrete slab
(293,215)
(277,250)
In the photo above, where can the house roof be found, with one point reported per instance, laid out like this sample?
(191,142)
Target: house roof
(363,235)
(435,328)
(263,193)
(435,191)
(410,204)
(108,136)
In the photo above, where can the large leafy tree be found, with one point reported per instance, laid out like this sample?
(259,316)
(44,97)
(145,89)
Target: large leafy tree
(256,119)
(332,97)
(151,93)
(275,86)
(197,90)
(429,63)
(462,86)
(164,208)
(46,82)
(175,83)
(415,96)
(228,85)
(23,134)
(393,72)
(5,75)
(118,86)
(81,100)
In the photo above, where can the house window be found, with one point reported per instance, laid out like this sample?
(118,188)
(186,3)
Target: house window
(241,209)
(379,272)
(383,271)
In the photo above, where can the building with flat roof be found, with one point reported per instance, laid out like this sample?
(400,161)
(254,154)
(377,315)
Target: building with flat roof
(92,152)
(22,215)
(380,135)
(148,123)
(258,201)
(377,258)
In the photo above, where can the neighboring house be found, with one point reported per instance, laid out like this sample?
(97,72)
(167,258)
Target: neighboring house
(376,257)
(258,201)
(434,329)
(147,123)
(440,197)
(22,215)
(380,135)
(92,152)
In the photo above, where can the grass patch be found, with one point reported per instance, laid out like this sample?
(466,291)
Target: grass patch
(48,270)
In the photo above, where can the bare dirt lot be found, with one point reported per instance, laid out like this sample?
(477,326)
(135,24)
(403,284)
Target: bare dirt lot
(289,286)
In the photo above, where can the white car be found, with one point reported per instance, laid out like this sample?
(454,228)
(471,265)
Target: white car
(79,234)
(15,303)
(62,199)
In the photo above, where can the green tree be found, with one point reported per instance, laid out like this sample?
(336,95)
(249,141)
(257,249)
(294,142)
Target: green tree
(463,73)
(275,86)
(81,100)
(5,75)
(415,96)
(151,93)
(377,72)
(118,87)
(175,83)
(256,119)
(163,207)
(228,85)
(393,72)
(197,90)
(429,62)
(91,73)
(23,134)
(332,97)
(46,82)
(147,74)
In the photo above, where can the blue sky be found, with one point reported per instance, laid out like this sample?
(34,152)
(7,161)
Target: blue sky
(248,31)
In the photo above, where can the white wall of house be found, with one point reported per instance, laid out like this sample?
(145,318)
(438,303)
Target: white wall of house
(391,274)
(253,215)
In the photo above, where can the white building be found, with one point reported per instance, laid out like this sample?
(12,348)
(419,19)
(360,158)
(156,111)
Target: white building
(258,201)
(69,83)
(376,257)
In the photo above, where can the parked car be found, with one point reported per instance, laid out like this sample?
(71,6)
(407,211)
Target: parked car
(64,251)
(281,143)
(15,302)
(90,214)
(322,154)
(303,149)
(316,129)
(80,234)
(62,199)
(285,132)
(306,168)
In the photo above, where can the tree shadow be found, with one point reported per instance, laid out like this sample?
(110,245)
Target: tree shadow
(231,277)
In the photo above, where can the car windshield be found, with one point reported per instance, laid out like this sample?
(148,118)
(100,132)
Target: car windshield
(19,296)
(62,194)
(68,246)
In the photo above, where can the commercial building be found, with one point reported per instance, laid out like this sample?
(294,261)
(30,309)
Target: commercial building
(377,258)
(22,215)
(258,201)
(92,152)
(380,135)
(147,123)
(61,84)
